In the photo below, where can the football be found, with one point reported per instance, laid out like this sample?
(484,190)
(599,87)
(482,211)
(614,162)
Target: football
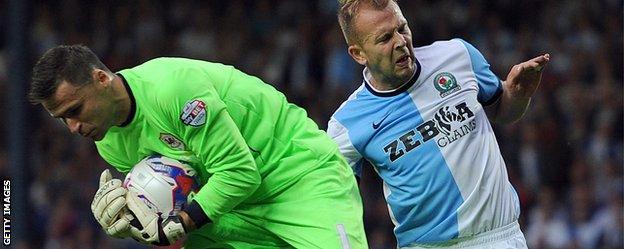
(165,185)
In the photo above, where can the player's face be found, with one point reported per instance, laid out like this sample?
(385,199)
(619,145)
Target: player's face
(384,44)
(87,110)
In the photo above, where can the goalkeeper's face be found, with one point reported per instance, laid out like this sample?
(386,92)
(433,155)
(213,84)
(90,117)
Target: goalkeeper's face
(88,110)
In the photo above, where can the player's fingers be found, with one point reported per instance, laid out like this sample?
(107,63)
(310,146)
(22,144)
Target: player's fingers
(142,235)
(141,211)
(538,58)
(542,58)
(109,198)
(119,228)
(527,65)
(110,203)
(105,189)
(530,65)
(136,206)
(112,211)
(137,235)
(105,177)
(535,65)
(112,195)
(518,70)
(541,61)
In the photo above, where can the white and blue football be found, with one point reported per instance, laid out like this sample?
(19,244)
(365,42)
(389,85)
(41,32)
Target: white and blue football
(165,185)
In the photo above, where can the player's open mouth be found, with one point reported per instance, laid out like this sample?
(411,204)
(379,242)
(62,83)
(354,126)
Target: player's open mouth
(403,61)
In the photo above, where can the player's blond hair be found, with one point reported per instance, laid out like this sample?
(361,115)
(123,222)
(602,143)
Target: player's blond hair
(348,11)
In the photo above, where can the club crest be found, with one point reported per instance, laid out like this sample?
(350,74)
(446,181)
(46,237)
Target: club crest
(172,141)
(446,84)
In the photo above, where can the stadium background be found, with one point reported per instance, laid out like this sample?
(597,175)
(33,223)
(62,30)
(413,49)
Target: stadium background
(564,158)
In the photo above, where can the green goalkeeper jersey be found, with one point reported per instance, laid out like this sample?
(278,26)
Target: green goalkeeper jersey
(242,136)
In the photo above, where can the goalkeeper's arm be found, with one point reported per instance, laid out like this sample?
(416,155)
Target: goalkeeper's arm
(193,217)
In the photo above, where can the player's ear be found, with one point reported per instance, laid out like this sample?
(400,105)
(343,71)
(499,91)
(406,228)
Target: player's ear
(101,77)
(357,54)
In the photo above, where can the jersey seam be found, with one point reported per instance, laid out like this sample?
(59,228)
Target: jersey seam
(346,132)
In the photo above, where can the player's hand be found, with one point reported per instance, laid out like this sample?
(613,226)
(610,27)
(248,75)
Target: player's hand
(108,206)
(151,228)
(524,78)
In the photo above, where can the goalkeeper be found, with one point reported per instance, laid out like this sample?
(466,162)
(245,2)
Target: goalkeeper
(271,178)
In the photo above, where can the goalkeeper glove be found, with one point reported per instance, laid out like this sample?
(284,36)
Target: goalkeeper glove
(151,229)
(109,204)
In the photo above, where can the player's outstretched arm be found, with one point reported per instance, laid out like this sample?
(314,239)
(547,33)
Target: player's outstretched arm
(109,206)
(520,85)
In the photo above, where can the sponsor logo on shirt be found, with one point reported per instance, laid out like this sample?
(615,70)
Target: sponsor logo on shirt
(446,84)
(172,141)
(448,125)
(194,113)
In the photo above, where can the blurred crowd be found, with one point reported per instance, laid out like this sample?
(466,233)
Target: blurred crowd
(565,157)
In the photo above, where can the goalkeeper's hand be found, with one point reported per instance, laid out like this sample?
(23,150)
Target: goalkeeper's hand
(109,207)
(151,229)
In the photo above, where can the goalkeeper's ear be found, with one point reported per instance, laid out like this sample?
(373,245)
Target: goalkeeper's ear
(194,216)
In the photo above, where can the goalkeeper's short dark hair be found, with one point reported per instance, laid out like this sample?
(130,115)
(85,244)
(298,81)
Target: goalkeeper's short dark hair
(72,63)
